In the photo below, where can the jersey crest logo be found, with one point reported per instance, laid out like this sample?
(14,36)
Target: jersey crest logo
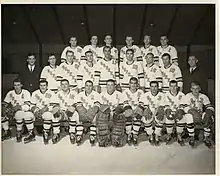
(172,70)
(135,66)
(22,96)
(47,95)
(79,50)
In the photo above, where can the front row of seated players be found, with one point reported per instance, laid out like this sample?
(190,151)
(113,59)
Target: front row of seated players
(110,114)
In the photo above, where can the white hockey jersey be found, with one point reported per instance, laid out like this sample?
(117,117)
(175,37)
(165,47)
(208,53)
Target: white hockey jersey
(97,54)
(150,49)
(137,53)
(77,53)
(174,102)
(114,52)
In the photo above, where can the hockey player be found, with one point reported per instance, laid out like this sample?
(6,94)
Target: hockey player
(40,107)
(105,69)
(170,72)
(68,70)
(131,68)
(175,114)
(20,100)
(64,109)
(94,48)
(112,100)
(166,48)
(87,106)
(151,72)
(114,51)
(148,48)
(49,73)
(132,111)
(129,45)
(153,105)
(199,106)
(86,71)
(77,50)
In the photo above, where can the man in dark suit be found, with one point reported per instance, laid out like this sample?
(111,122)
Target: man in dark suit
(30,74)
(194,73)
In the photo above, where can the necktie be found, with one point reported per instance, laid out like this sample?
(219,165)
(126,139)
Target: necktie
(191,70)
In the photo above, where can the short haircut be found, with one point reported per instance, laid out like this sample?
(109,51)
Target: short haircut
(88,52)
(30,54)
(64,80)
(94,36)
(163,35)
(89,81)
(69,51)
(166,54)
(51,54)
(72,37)
(128,36)
(17,80)
(150,54)
(43,81)
(108,35)
(111,80)
(172,82)
(195,83)
(106,47)
(147,35)
(130,50)
(154,82)
(133,79)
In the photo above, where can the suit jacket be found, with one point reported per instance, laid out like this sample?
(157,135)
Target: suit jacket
(197,75)
(30,79)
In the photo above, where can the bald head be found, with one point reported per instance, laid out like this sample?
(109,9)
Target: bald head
(192,61)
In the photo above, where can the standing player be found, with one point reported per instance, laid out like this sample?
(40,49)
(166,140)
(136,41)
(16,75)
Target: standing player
(114,51)
(129,45)
(20,100)
(94,48)
(151,72)
(112,99)
(199,106)
(153,104)
(170,72)
(77,50)
(175,114)
(148,48)
(166,48)
(49,73)
(105,69)
(87,106)
(68,70)
(40,106)
(131,68)
(63,109)
(132,111)
(86,71)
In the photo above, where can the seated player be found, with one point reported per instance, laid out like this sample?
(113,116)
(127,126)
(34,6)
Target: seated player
(153,116)
(87,106)
(40,106)
(64,109)
(77,50)
(129,45)
(68,70)
(86,71)
(131,68)
(112,107)
(49,73)
(170,72)
(151,72)
(199,106)
(105,69)
(132,111)
(175,114)
(20,100)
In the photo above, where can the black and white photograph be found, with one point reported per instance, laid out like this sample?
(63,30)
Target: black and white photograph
(108,89)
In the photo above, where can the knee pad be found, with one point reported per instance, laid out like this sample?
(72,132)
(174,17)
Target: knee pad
(188,118)
(47,116)
(29,116)
(19,115)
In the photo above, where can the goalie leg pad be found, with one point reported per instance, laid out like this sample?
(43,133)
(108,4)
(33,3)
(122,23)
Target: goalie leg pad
(82,111)
(197,116)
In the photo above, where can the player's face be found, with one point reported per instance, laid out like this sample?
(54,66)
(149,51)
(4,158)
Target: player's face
(70,56)
(31,60)
(94,40)
(195,89)
(110,87)
(52,60)
(173,88)
(64,86)
(149,59)
(133,85)
(17,87)
(192,61)
(43,87)
(108,40)
(147,40)
(163,40)
(73,41)
(129,41)
(88,87)
(129,55)
(89,57)
(166,61)
(154,89)
(107,52)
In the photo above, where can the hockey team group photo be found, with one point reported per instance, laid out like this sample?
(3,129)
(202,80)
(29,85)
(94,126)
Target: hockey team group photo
(143,80)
